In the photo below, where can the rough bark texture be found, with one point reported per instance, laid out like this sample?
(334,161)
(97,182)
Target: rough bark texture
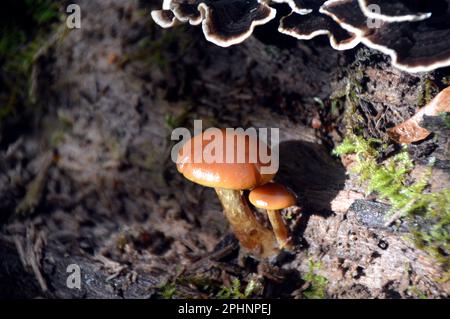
(91,181)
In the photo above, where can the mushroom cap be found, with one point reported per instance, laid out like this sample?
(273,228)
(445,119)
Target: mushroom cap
(234,173)
(272,196)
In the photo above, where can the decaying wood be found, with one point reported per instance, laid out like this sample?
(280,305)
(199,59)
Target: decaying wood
(114,204)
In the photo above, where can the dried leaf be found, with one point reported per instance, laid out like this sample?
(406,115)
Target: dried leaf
(410,131)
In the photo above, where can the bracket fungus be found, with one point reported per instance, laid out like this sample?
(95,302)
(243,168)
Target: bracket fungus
(414,33)
(301,6)
(230,174)
(164,18)
(224,22)
(410,131)
(273,197)
(396,11)
(417,46)
(306,27)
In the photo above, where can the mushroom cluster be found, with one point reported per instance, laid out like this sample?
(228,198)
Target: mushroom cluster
(414,33)
(231,177)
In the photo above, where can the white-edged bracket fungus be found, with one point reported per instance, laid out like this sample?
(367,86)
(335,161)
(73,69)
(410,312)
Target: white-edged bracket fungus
(301,6)
(229,178)
(273,197)
(224,22)
(397,11)
(306,27)
(164,18)
(418,46)
(414,33)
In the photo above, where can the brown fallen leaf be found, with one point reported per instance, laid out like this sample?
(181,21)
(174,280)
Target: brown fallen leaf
(410,131)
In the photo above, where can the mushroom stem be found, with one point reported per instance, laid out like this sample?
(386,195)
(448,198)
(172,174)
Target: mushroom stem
(279,229)
(251,234)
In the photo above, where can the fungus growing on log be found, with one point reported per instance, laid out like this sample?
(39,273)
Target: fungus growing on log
(273,197)
(229,178)
(301,6)
(164,18)
(410,131)
(415,34)
(413,46)
(397,10)
(306,27)
(224,22)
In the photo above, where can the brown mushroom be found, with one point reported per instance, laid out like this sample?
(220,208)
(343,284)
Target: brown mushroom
(229,177)
(273,197)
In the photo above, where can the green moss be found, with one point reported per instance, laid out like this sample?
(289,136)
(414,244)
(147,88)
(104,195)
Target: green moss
(174,121)
(316,283)
(446,118)
(417,293)
(24,30)
(428,90)
(390,180)
(350,98)
(167,290)
(205,285)
(210,287)
(235,290)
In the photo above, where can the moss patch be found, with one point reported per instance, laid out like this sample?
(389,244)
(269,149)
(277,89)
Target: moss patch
(390,180)
(24,29)
(316,284)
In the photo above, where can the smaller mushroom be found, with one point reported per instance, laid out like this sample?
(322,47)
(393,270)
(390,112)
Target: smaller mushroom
(273,197)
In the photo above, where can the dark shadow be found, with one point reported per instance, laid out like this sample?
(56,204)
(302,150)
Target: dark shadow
(314,175)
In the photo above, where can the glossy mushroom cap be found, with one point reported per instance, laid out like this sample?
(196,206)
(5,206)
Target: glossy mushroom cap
(229,174)
(272,196)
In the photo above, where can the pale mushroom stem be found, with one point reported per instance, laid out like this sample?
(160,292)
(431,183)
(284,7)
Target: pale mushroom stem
(279,229)
(250,233)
